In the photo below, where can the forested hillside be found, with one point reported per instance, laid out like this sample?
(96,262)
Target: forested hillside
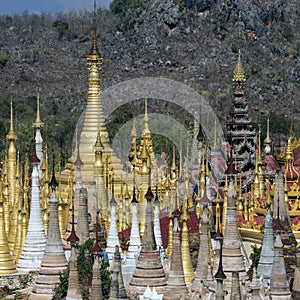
(194,42)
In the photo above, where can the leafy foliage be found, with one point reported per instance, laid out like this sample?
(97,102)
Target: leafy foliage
(61,26)
(85,268)
(254,256)
(122,7)
(126,11)
(85,265)
(3,61)
(61,290)
(105,277)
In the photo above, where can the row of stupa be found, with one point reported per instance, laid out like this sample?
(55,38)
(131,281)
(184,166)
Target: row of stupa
(23,234)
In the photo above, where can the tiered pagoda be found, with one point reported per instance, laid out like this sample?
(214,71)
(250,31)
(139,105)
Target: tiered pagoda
(240,134)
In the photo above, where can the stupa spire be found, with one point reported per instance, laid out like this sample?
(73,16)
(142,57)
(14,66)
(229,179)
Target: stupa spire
(35,242)
(268,139)
(94,121)
(118,269)
(264,267)
(134,243)
(239,73)
(149,267)
(74,292)
(54,261)
(204,261)
(176,286)
(157,228)
(233,260)
(11,176)
(82,220)
(94,50)
(113,237)
(38,122)
(279,286)
(11,134)
(220,275)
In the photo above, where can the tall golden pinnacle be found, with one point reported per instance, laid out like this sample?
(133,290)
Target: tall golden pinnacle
(38,123)
(268,139)
(11,134)
(94,54)
(239,73)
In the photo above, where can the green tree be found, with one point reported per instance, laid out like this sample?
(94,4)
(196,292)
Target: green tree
(61,26)
(61,290)
(254,256)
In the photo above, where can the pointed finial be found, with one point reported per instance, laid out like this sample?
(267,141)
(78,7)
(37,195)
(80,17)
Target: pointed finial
(94,55)
(113,199)
(156,200)
(11,134)
(289,151)
(34,159)
(239,73)
(73,238)
(220,275)
(38,123)
(78,162)
(278,227)
(53,183)
(134,200)
(149,195)
(96,250)
(268,139)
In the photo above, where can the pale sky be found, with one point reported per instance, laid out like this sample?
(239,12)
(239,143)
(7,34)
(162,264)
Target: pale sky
(37,6)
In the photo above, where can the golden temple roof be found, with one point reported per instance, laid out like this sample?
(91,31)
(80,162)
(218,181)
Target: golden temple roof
(239,73)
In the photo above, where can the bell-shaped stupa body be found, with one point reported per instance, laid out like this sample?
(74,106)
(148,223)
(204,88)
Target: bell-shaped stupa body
(35,242)
(149,270)
(54,261)
(131,257)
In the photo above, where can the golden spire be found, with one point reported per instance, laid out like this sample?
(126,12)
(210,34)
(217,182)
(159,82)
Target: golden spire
(11,176)
(268,139)
(94,55)
(11,134)
(239,73)
(268,194)
(185,249)
(38,123)
(259,158)
(289,152)
(144,157)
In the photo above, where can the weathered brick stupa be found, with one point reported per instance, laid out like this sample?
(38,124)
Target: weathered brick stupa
(149,270)
(54,261)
